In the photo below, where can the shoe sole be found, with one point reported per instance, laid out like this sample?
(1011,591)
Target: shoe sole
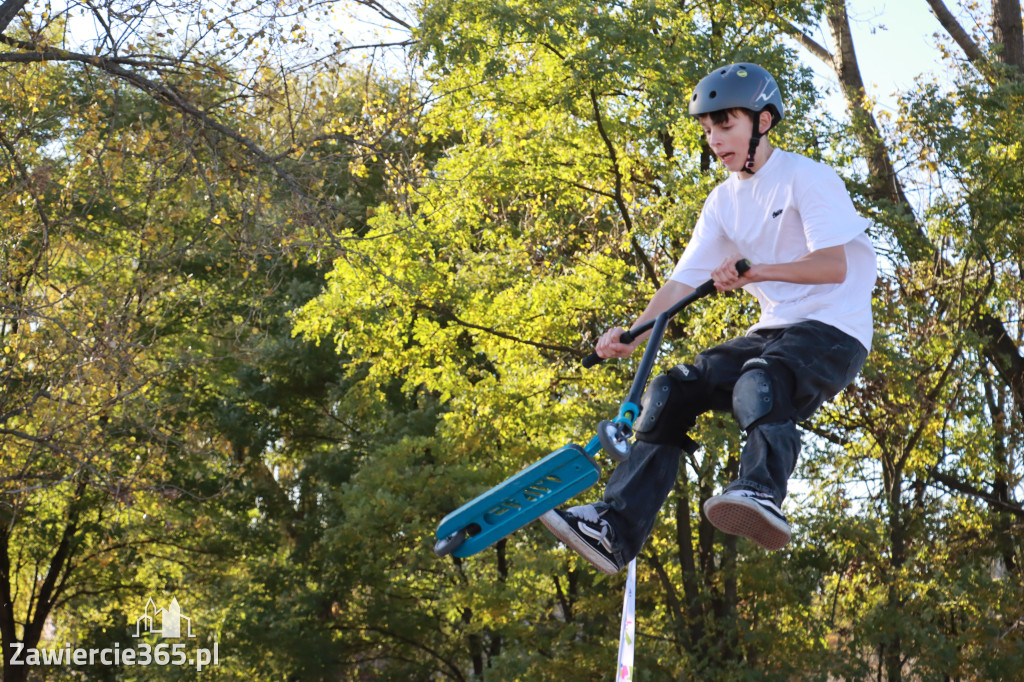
(564,532)
(746,518)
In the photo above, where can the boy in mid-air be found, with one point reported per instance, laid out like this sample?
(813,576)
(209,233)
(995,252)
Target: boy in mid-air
(813,271)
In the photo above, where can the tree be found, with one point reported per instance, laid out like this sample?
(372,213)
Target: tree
(574,164)
(957,260)
(148,268)
(568,191)
(174,207)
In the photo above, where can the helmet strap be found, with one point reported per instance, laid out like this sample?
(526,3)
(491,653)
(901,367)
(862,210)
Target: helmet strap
(755,140)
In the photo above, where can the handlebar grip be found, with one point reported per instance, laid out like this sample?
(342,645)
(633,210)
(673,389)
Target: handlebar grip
(703,290)
(594,359)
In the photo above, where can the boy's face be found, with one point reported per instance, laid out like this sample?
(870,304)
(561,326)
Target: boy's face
(729,140)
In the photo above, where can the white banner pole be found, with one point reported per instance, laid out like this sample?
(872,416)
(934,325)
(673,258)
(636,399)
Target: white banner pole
(627,633)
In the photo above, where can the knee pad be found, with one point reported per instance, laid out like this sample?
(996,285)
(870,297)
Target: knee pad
(670,407)
(762,394)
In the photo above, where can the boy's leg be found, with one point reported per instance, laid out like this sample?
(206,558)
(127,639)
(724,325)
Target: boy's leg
(611,533)
(638,487)
(805,365)
(800,368)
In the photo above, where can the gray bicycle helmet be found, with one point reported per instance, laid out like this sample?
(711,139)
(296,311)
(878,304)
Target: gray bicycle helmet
(745,85)
(742,85)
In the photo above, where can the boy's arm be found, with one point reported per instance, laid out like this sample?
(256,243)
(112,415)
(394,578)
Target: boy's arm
(824,266)
(669,294)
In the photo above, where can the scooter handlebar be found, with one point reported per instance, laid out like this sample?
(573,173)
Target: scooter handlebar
(703,290)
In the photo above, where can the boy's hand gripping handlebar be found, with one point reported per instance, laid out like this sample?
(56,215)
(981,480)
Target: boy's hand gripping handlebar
(700,292)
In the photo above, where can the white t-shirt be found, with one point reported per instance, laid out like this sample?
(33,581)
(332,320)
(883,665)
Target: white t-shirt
(790,207)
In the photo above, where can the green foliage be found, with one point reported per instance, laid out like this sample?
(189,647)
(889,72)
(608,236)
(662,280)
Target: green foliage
(572,186)
(252,364)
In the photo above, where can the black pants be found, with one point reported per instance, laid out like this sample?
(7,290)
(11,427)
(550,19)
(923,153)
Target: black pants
(822,361)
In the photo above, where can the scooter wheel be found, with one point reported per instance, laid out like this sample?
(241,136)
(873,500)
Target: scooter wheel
(447,545)
(613,441)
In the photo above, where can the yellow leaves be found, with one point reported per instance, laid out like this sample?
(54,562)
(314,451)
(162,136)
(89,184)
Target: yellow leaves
(1004,152)
(10,351)
(359,169)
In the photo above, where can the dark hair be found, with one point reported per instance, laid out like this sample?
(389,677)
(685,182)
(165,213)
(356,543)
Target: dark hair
(722,115)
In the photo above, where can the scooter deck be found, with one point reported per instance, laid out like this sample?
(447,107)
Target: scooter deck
(518,500)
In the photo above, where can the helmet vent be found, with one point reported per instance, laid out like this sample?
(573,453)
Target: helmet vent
(711,95)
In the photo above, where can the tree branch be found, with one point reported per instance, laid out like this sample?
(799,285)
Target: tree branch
(385,631)
(384,12)
(1002,351)
(614,157)
(620,201)
(8,10)
(52,585)
(447,314)
(930,405)
(672,604)
(160,92)
(956,31)
(885,184)
(805,40)
(967,489)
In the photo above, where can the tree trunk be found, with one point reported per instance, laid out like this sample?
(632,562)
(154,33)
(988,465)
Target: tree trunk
(1008,31)
(1002,522)
(688,567)
(998,345)
(49,588)
(892,644)
(885,185)
(7,617)
(475,645)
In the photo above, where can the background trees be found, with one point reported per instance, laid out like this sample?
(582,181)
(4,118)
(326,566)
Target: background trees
(271,310)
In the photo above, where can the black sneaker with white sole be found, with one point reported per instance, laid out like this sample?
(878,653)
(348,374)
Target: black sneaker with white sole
(751,515)
(583,531)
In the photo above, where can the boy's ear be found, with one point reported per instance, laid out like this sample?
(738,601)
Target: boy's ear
(764,121)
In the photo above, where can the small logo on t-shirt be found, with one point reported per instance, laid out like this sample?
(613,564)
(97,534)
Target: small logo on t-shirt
(776,214)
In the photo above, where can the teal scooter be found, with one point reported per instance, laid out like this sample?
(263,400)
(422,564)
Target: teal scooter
(569,470)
